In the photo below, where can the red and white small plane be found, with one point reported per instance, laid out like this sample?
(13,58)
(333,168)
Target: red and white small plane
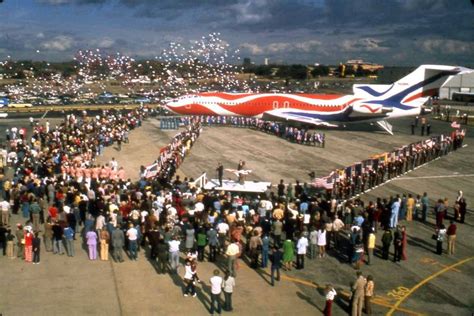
(368,103)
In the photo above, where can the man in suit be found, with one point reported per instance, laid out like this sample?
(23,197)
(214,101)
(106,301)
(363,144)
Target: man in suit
(220,173)
(275,259)
(358,292)
(118,241)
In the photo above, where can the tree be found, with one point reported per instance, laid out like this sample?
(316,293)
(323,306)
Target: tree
(263,70)
(320,70)
(297,72)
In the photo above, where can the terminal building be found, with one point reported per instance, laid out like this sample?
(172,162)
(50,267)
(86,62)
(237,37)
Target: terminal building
(459,88)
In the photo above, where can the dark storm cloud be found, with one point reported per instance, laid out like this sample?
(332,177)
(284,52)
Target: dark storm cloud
(273,15)
(379,30)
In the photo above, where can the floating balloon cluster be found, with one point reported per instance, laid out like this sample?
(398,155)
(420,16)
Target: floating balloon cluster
(202,65)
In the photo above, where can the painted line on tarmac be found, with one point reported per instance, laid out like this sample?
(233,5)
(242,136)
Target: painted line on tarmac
(376,300)
(432,262)
(424,281)
(436,177)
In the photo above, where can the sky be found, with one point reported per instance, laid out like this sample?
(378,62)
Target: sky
(389,32)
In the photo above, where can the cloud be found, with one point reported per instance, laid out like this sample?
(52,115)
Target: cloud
(64,2)
(442,46)
(250,11)
(281,47)
(362,45)
(105,42)
(56,2)
(253,49)
(59,43)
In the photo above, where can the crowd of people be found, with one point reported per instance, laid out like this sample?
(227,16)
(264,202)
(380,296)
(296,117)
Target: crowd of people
(292,134)
(172,155)
(352,180)
(162,216)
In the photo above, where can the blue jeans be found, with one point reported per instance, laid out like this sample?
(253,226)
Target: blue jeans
(215,300)
(277,270)
(58,246)
(264,257)
(132,248)
(424,211)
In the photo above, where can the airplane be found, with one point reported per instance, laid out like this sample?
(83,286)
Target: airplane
(3,102)
(368,103)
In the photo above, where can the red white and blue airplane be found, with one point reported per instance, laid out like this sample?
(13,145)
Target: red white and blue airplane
(368,103)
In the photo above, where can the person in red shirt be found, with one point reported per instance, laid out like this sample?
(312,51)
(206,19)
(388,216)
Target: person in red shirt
(53,212)
(28,246)
(451,237)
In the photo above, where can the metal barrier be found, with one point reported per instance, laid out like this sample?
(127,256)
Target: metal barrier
(201,181)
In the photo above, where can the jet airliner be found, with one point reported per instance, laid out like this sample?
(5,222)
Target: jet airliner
(368,103)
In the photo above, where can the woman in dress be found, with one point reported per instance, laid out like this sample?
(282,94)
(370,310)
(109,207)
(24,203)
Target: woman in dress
(369,293)
(404,243)
(322,242)
(28,245)
(288,254)
(189,242)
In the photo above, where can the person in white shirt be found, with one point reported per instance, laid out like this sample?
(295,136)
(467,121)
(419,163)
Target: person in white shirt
(222,231)
(330,295)
(113,164)
(174,253)
(5,208)
(189,275)
(301,247)
(232,253)
(228,287)
(99,223)
(132,235)
(216,289)
(322,242)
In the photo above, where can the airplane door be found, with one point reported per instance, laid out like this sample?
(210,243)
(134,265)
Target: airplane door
(275,105)
(286,104)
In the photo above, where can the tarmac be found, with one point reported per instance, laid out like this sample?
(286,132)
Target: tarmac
(424,284)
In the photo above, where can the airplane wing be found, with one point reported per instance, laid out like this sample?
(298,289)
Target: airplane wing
(237,172)
(295,116)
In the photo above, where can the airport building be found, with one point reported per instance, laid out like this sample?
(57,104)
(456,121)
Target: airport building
(459,88)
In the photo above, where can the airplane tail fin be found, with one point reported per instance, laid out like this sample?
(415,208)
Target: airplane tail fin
(414,89)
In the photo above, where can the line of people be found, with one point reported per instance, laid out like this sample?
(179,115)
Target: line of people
(348,182)
(292,134)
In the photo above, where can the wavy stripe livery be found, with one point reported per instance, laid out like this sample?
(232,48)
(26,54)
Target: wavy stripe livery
(368,103)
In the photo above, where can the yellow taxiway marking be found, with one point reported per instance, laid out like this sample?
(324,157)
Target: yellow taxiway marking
(423,282)
(432,261)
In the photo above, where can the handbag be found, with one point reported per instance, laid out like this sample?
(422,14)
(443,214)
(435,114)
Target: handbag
(434,237)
